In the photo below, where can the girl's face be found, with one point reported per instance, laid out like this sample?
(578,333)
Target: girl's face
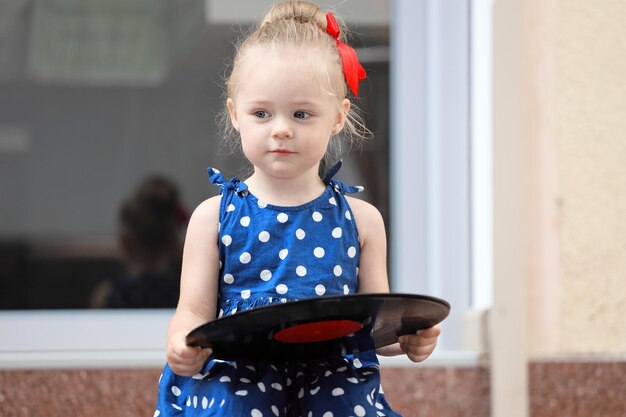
(283,113)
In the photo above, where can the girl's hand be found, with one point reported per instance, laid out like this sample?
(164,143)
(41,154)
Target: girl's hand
(420,345)
(185,360)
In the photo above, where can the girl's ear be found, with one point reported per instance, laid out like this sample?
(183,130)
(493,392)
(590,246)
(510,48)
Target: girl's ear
(233,113)
(344,107)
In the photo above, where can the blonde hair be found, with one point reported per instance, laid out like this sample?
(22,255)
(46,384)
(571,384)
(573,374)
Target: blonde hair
(303,25)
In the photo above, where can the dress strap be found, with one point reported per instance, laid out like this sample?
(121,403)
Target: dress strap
(234,184)
(338,185)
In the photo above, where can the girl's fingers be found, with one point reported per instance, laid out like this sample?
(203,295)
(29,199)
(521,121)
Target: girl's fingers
(423,337)
(434,331)
(413,340)
(187,366)
(419,349)
(188,351)
(420,345)
(418,354)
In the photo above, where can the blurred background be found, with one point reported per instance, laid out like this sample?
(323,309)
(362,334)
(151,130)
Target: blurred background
(497,163)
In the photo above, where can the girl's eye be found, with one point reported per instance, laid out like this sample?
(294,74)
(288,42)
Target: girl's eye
(301,115)
(261,114)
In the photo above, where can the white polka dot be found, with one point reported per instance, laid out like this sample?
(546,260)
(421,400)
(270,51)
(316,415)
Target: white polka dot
(337,232)
(300,234)
(337,270)
(379,406)
(261,386)
(315,390)
(245,294)
(245,257)
(264,236)
(245,221)
(262,204)
(205,402)
(346,290)
(275,411)
(266,275)
(317,216)
(301,271)
(229,279)
(282,217)
(320,289)
(212,402)
(188,403)
(230,207)
(301,393)
(357,363)
(241,392)
(328,414)
(319,252)
(156,413)
(225,379)
(281,289)
(178,407)
(222,403)
(195,401)
(352,251)
(256,413)
(337,392)
(353,380)
(283,254)
(348,215)
(332,201)
(175,390)
(227,240)
(277,386)
(359,411)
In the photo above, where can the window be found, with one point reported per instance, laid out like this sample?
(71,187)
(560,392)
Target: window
(75,142)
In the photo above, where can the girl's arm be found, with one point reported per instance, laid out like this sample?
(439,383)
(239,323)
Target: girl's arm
(373,278)
(198,290)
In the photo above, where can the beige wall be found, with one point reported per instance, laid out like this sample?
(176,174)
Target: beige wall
(576,84)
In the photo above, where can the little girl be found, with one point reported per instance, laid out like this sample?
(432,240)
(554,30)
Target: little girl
(287,232)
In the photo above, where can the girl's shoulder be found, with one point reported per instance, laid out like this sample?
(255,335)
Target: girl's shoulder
(207,212)
(366,215)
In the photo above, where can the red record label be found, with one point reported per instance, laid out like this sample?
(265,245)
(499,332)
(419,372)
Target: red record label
(319,331)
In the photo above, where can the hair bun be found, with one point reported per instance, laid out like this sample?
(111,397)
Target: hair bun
(299,11)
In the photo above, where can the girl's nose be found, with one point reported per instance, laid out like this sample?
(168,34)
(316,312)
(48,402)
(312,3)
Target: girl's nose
(281,129)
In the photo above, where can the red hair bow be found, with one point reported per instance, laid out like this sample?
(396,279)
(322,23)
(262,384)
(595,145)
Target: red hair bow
(352,69)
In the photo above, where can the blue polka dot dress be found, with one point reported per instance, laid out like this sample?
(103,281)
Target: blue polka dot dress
(271,254)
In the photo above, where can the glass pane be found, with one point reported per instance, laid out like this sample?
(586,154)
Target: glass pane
(96,98)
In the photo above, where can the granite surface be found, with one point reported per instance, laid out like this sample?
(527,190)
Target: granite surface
(567,389)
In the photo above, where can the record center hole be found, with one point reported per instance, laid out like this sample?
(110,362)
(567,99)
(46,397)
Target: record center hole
(318,331)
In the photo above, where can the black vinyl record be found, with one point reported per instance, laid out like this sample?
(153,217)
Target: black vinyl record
(318,328)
